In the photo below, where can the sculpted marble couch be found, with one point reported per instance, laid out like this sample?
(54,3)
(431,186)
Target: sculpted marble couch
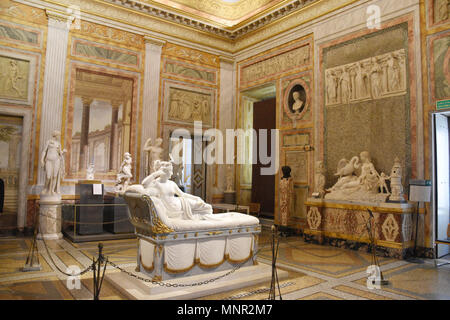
(180,236)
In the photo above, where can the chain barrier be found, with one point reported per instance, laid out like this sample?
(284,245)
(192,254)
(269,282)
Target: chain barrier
(56,266)
(182,285)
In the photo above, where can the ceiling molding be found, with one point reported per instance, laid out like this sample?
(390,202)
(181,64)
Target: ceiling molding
(209,26)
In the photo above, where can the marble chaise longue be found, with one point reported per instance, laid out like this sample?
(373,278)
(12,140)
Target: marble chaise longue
(171,248)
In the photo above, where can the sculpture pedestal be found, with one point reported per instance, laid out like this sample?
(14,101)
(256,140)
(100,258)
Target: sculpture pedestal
(343,224)
(115,215)
(229,197)
(90,213)
(50,217)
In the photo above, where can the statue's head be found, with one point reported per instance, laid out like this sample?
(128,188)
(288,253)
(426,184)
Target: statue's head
(158,141)
(286,171)
(164,166)
(296,95)
(56,134)
(365,156)
(127,155)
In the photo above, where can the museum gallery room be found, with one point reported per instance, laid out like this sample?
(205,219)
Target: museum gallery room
(224,150)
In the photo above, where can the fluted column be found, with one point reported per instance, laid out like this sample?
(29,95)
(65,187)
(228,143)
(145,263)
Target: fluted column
(53,91)
(153,49)
(84,136)
(114,141)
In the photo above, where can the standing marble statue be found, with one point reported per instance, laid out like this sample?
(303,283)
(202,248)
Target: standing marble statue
(396,182)
(124,176)
(286,195)
(319,180)
(153,153)
(52,159)
(230,186)
(90,172)
(176,157)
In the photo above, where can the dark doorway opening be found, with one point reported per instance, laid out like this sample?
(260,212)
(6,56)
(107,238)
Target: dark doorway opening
(263,186)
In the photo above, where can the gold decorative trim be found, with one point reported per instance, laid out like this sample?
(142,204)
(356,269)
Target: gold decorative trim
(147,268)
(167,269)
(158,227)
(209,266)
(239,261)
(324,204)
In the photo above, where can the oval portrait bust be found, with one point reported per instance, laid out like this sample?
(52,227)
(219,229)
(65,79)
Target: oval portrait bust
(296,99)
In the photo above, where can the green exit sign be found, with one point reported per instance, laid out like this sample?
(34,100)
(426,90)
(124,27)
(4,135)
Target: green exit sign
(443,104)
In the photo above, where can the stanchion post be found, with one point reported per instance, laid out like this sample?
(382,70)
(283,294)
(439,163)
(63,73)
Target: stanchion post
(96,269)
(274,282)
(29,264)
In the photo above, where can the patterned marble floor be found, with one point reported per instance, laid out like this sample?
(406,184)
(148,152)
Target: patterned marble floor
(315,272)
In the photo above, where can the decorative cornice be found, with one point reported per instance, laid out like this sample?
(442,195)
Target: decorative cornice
(209,27)
(153,40)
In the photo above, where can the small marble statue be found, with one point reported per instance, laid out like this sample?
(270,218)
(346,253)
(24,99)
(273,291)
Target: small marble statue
(52,160)
(177,162)
(319,180)
(383,186)
(230,186)
(124,176)
(153,153)
(396,182)
(90,172)
(362,187)
(286,192)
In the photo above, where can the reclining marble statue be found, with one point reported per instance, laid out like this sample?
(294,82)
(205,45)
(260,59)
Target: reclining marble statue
(191,239)
(360,181)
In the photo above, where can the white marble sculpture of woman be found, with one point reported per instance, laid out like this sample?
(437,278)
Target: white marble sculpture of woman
(298,104)
(124,176)
(52,159)
(153,153)
(177,204)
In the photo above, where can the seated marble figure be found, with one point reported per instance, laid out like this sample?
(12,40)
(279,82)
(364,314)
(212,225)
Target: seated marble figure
(180,210)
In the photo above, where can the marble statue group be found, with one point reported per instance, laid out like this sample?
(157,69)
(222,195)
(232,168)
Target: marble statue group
(358,180)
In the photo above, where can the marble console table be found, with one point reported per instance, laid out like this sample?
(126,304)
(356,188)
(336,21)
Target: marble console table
(343,224)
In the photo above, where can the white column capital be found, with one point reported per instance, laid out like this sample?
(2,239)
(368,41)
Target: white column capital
(154,41)
(59,19)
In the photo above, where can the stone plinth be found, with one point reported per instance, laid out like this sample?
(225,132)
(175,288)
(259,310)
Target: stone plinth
(90,212)
(50,217)
(343,224)
(115,215)
(229,197)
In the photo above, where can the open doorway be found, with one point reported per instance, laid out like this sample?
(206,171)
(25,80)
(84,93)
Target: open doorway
(11,128)
(260,114)
(441,181)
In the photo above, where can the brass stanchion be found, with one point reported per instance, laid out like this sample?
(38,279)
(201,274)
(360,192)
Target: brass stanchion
(96,269)
(274,282)
(32,263)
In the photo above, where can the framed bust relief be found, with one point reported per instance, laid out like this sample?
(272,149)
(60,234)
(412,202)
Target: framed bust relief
(296,99)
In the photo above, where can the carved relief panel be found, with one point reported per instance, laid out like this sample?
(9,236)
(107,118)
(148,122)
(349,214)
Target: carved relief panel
(184,104)
(373,78)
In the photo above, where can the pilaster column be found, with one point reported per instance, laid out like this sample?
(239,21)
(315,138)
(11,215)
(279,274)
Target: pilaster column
(53,90)
(227,112)
(84,136)
(114,141)
(153,49)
